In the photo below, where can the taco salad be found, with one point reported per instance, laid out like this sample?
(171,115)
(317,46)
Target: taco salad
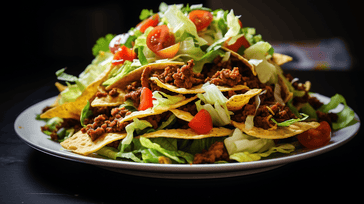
(188,85)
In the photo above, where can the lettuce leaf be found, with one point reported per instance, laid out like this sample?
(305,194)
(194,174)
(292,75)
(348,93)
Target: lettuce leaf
(125,69)
(166,147)
(85,113)
(243,148)
(181,24)
(266,71)
(345,116)
(164,100)
(135,125)
(102,44)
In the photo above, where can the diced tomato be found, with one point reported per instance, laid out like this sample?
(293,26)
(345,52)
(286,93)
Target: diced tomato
(202,122)
(200,18)
(168,52)
(123,54)
(159,38)
(317,137)
(146,99)
(151,21)
(239,42)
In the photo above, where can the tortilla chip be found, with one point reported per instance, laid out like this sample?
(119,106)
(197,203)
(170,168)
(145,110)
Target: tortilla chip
(81,143)
(243,59)
(108,100)
(280,59)
(137,73)
(280,132)
(156,111)
(184,115)
(189,133)
(195,89)
(73,109)
(238,101)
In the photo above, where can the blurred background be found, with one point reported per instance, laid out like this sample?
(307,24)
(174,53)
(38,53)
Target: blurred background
(61,34)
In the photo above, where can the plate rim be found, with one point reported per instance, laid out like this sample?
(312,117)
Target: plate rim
(176,168)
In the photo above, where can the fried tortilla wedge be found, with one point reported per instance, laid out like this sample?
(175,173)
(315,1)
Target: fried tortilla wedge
(280,59)
(136,74)
(280,132)
(73,109)
(238,101)
(195,89)
(81,143)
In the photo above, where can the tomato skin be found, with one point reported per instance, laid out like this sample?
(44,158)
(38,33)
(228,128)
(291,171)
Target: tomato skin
(160,38)
(200,18)
(146,99)
(168,52)
(123,54)
(151,21)
(317,137)
(242,41)
(202,122)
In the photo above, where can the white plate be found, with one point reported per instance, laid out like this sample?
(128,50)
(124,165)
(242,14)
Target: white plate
(28,128)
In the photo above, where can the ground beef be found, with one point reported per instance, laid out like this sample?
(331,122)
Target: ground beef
(226,77)
(314,102)
(328,117)
(67,123)
(104,123)
(134,96)
(186,78)
(216,152)
(183,77)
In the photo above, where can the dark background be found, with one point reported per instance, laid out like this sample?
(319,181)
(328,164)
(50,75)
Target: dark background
(44,36)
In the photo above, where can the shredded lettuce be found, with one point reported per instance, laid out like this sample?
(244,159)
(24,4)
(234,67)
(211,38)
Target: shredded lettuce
(92,71)
(181,24)
(85,113)
(290,121)
(135,125)
(219,113)
(266,71)
(244,148)
(345,116)
(164,100)
(125,69)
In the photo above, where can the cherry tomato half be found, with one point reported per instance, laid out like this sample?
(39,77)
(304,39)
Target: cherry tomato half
(151,21)
(123,54)
(314,138)
(202,122)
(168,52)
(160,38)
(200,18)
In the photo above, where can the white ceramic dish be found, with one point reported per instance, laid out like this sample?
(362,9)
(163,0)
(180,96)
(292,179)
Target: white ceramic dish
(29,130)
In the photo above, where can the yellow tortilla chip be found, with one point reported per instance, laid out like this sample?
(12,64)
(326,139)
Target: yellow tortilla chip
(243,59)
(81,143)
(184,115)
(280,59)
(280,132)
(136,74)
(73,109)
(238,101)
(156,111)
(285,89)
(188,133)
(195,89)
(108,100)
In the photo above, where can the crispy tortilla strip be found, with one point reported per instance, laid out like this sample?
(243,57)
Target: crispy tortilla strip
(243,59)
(195,89)
(188,133)
(184,115)
(73,109)
(108,100)
(280,59)
(238,101)
(136,74)
(156,111)
(280,132)
(81,143)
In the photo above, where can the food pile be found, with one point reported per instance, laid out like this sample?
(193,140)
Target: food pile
(188,85)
